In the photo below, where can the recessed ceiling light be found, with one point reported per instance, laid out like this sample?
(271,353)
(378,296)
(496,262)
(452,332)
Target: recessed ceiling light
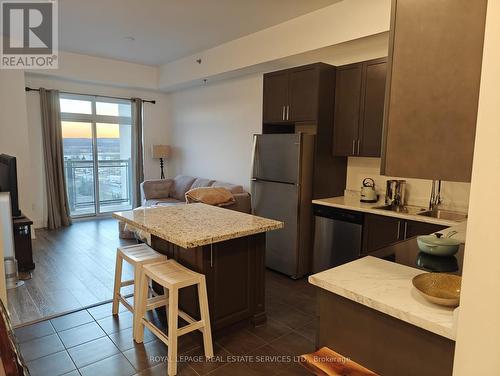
(130,38)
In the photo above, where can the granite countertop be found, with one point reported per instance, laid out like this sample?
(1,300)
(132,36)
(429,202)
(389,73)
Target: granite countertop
(386,287)
(351,202)
(194,225)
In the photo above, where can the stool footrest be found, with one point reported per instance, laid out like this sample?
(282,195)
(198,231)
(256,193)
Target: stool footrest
(127,283)
(186,317)
(125,303)
(190,328)
(157,332)
(157,301)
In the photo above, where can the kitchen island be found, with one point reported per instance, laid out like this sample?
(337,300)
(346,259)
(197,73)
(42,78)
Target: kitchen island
(370,312)
(228,247)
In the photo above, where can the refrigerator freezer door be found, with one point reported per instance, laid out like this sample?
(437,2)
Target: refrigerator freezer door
(279,201)
(277,157)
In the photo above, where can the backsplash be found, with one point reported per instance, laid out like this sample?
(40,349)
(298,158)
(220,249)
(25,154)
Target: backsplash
(454,196)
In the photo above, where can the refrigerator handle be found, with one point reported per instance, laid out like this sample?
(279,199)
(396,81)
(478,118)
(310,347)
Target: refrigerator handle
(255,156)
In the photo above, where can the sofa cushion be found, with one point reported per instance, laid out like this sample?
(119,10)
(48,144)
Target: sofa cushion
(233,188)
(182,184)
(158,188)
(199,183)
(210,195)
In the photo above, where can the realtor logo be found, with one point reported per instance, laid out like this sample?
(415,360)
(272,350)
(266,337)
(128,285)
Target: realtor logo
(29,35)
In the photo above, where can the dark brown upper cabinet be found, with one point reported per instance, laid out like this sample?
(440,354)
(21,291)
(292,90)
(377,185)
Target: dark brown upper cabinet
(435,54)
(359,108)
(294,95)
(347,106)
(275,96)
(303,94)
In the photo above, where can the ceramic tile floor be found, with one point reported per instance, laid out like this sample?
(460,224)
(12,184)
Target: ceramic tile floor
(93,342)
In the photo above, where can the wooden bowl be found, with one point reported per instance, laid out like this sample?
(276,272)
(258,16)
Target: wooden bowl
(439,288)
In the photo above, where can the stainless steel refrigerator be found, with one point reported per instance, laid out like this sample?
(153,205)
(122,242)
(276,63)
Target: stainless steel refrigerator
(281,188)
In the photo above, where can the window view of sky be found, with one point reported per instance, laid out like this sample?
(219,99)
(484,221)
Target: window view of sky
(75,129)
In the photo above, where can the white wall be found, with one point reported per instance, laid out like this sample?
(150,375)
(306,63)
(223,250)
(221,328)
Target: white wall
(212,129)
(212,126)
(455,196)
(14,135)
(100,70)
(155,129)
(478,337)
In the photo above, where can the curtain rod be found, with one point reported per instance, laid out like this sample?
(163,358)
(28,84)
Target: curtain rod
(93,95)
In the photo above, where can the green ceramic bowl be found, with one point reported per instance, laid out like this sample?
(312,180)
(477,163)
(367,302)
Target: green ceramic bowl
(438,246)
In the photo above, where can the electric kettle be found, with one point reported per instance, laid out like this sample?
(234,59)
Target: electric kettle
(368,193)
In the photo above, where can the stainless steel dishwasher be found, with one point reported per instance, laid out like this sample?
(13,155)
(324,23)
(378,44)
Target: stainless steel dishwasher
(337,237)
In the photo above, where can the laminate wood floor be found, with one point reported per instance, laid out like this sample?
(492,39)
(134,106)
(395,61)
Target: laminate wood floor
(93,342)
(74,269)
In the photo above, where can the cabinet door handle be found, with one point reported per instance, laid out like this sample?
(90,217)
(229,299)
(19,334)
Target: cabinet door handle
(287,112)
(406,229)
(353,147)
(283,113)
(399,229)
(359,141)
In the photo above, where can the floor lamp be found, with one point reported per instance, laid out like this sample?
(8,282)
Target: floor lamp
(161,152)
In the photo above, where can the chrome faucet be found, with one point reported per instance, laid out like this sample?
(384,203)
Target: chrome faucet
(435,199)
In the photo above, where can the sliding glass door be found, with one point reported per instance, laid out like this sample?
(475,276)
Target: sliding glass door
(97,147)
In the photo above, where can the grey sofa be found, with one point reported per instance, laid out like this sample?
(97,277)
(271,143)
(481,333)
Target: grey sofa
(172,191)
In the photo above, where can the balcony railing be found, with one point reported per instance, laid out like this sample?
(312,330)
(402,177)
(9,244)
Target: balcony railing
(114,185)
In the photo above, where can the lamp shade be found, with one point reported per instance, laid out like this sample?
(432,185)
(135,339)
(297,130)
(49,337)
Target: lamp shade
(160,151)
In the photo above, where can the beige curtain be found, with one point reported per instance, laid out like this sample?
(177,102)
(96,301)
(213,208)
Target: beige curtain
(57,200)
(137,148)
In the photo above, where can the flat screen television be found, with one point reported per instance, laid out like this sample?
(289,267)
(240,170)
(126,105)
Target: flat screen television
(8,181)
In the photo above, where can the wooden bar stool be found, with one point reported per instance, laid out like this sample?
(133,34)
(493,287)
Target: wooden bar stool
(137,255)
(326,362)
(173,276)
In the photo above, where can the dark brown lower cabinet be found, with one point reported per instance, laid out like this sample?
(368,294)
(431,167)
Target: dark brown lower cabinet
(382,343)
(414,228)
(235,273)
(380,231)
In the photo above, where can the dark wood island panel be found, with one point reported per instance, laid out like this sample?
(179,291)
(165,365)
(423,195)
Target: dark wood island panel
(382,343)
(235,275)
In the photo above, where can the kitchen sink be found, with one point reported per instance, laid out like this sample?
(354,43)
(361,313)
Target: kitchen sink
(407,209)
(445,214)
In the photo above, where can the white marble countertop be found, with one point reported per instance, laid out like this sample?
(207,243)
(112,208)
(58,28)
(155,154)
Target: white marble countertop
(195,225)
(459,232)
(386,287)
(351,202)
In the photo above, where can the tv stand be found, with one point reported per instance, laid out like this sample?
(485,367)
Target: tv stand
(22,243)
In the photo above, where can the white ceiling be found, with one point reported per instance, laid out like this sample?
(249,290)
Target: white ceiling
(166,30)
